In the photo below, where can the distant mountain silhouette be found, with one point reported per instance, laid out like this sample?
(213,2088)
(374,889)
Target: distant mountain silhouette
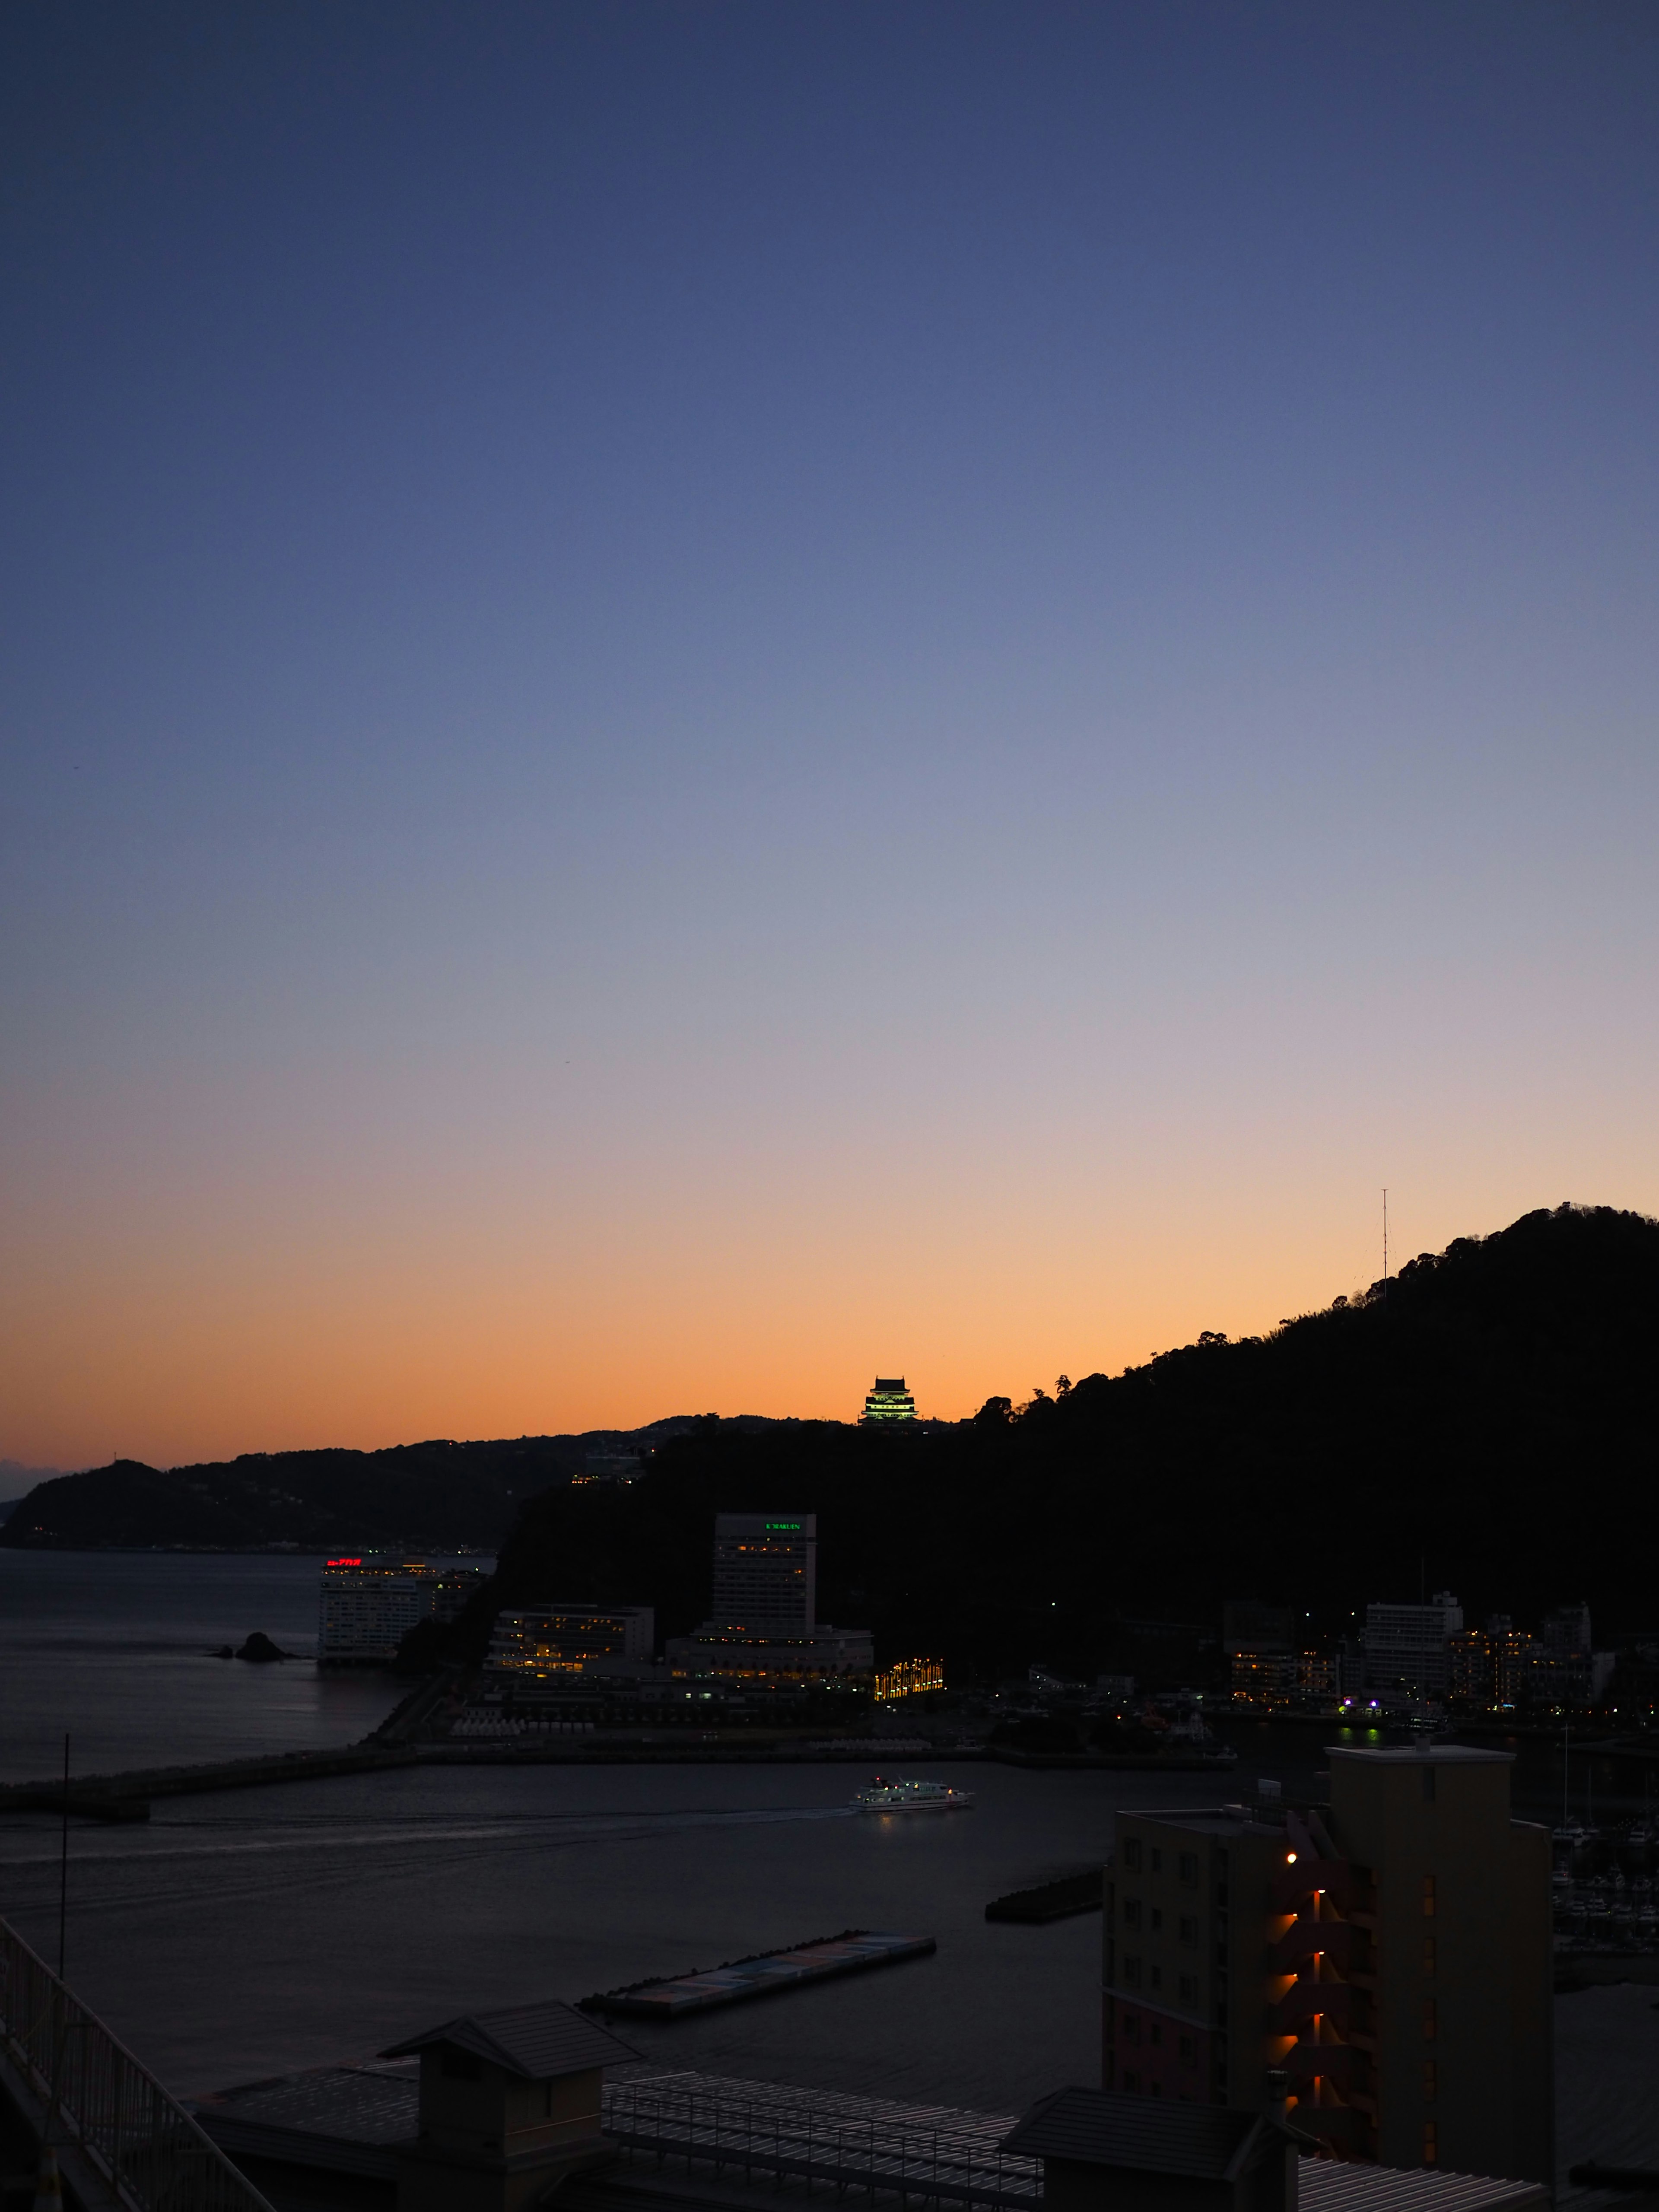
(1487,1421)
(439,1496)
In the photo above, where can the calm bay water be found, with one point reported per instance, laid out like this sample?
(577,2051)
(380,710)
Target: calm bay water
(263,1930)
(112,1648)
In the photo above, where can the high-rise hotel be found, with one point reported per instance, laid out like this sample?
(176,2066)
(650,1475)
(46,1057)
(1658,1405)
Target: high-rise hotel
(763,1632)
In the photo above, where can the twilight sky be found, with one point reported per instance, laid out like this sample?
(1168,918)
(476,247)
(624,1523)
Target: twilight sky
(698,698)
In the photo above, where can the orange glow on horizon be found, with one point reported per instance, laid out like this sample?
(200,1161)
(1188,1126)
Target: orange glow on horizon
(212,1318)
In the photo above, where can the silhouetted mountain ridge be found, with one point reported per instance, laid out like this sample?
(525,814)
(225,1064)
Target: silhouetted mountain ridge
(435,1496)
(1485,1421)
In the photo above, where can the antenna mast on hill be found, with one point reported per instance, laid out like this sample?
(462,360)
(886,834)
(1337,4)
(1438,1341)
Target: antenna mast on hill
(1385,1240)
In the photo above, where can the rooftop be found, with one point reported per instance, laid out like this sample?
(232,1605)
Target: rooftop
(1144,2135)
(1421,1753)
(537,2042)
(1210,1820)
(347,2121)
(342,2119)
(1207,2143)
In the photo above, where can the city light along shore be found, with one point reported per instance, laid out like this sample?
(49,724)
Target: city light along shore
(769,1971)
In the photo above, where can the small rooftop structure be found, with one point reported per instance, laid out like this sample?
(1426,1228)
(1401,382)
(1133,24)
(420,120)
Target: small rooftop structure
(1151,2155)
(509,2107)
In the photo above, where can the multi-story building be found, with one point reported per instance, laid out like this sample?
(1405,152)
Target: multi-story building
(1406,1645)
(453,1588)
(764,1632)
(1567,1630)
(907,1678)
(1262,1678)
(1391,1952)
(887,1401)
(368,1604)
(1471,1669)
(766,1570)
(1502,1669)
(547,1645)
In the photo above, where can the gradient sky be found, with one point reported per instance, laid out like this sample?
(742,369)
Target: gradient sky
(699,698)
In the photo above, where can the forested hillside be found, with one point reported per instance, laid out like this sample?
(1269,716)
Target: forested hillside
(1488,1421)
(439,1496)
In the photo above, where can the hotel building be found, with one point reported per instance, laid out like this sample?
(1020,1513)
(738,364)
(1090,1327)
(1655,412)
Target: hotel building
(368,1604)
(763,1632)
(1407,1647)
(546,1646)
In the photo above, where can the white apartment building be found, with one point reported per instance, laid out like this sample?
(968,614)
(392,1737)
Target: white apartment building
(1406,1645)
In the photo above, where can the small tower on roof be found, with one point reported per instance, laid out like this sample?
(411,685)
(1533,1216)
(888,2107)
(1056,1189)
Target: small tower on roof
(509,2107)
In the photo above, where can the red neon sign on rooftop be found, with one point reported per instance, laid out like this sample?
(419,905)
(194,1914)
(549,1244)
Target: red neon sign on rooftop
(342,1563)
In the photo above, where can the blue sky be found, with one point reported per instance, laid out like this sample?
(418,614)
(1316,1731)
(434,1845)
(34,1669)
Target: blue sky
(700,697)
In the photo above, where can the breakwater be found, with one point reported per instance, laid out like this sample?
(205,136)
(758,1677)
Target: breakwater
(1072,1894)
(127,1796)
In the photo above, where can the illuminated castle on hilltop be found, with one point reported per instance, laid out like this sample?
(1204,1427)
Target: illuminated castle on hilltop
(890,1400)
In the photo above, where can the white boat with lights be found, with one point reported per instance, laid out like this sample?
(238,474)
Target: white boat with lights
(897,1795)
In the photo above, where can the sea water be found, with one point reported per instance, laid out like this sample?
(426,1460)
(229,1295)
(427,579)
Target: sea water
(114,1649)
(249,1933)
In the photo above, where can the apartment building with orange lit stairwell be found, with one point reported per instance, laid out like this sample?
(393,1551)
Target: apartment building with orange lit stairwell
(1390,1951)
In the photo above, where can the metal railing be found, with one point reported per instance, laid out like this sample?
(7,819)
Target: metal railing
(94,2097)
(853,2142)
